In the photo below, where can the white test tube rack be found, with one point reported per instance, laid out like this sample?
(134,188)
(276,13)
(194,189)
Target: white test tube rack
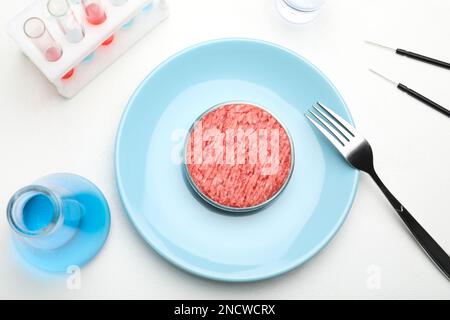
(128,23)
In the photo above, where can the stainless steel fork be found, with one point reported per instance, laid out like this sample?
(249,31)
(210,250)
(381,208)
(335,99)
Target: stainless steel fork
(358,153)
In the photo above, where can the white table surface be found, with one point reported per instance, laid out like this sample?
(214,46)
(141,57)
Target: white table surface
(371,257)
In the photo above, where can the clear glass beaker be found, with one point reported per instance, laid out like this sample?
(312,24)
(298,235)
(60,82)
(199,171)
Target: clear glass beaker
(68,23)
(299,11)
(36,30)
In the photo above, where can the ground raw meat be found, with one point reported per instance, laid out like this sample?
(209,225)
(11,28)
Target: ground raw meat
(227,170)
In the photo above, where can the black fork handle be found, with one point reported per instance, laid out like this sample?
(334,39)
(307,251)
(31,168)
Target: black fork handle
(428,244)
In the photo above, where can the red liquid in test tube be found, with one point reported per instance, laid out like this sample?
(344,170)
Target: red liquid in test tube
(95,13)
(53,54)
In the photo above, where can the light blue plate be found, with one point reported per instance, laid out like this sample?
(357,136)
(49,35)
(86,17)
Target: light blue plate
(157,197)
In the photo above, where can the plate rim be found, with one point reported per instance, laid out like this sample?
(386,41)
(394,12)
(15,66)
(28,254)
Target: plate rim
(203,273)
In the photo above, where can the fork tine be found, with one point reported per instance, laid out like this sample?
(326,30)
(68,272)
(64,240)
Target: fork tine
(340,130)
(329,127)
(336,143)
(347,126)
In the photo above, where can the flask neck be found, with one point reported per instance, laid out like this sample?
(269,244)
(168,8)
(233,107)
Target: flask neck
(35,211)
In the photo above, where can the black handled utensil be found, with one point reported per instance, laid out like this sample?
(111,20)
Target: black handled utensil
(414,55)
(415,95)
(358,153)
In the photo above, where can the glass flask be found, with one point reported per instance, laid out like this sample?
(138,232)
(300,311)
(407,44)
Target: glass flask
(60,221)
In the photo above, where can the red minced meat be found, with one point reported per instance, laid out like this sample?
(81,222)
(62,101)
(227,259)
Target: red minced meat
(225,179)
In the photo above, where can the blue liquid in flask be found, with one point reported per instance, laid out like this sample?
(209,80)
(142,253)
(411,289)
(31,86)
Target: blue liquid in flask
(60,221)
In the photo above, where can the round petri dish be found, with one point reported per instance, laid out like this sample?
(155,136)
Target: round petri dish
(238,157)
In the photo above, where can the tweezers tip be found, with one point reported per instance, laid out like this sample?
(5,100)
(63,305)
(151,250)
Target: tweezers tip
(379,45)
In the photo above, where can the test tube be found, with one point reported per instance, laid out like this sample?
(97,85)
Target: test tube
(118,2)
(94,10)
(70,26)
(35,29)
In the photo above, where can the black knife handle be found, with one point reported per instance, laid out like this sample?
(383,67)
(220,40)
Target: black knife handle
(423,58)
(424,99)
(425,240)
